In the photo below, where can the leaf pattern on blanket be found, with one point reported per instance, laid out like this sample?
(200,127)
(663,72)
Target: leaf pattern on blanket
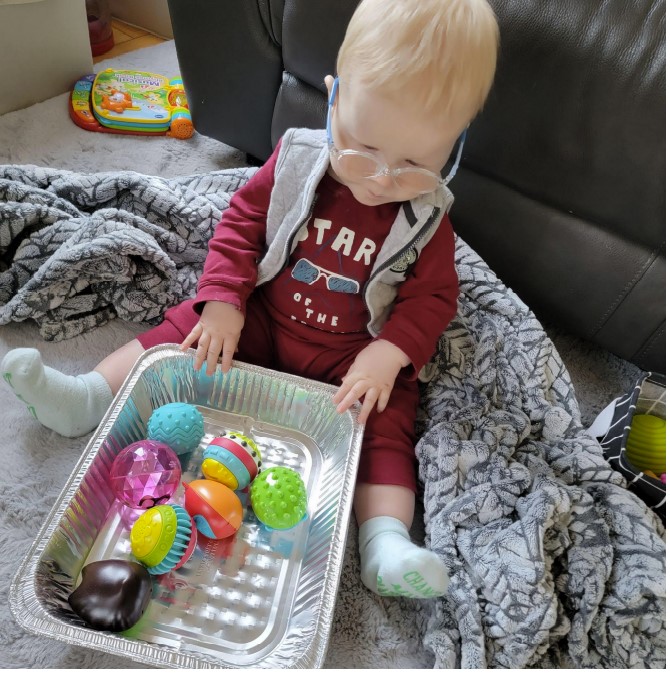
(553,562)
(79,250)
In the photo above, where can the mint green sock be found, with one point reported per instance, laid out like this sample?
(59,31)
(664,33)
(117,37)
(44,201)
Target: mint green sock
(392,565)
(70,405)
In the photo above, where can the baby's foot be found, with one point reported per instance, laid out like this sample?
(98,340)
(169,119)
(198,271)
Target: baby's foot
(392,565)
(70,405)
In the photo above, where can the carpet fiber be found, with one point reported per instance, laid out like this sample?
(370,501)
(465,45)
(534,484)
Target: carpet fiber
(368,632)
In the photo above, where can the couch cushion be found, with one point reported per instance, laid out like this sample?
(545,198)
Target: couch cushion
(563,183)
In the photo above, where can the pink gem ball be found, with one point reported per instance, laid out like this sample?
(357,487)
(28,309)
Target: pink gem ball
(145,473)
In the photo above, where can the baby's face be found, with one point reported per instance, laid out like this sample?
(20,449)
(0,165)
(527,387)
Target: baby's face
(396,133)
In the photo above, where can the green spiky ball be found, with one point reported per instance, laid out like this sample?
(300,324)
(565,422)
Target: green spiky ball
(279,498)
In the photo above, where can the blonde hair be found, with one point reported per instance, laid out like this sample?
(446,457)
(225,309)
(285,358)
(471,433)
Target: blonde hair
(441,53)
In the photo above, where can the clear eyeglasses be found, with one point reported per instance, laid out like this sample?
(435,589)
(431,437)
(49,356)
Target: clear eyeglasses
(355,165)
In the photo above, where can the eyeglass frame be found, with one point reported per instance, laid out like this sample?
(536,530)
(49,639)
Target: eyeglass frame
(384,169)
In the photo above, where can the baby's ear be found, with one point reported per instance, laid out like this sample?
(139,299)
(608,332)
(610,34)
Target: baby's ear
(329,80)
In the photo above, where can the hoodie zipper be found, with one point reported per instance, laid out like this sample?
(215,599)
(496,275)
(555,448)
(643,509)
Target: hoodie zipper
(289,240)
(394,258)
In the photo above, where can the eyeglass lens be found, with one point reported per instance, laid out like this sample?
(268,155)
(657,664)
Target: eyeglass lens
(354,166)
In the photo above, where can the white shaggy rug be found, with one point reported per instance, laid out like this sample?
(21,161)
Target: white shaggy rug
(368,632)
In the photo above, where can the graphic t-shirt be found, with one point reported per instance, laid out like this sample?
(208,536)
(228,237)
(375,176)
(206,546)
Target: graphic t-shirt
(322,286)
(319,293)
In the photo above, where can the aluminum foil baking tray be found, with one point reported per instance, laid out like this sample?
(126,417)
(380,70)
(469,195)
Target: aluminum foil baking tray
(261,599)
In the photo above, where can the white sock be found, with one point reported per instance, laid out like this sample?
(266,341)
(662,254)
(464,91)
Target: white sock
(392,565)
(70,405)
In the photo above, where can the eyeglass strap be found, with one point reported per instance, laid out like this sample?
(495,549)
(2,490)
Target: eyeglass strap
(459,152)
(331,100)
(333,91)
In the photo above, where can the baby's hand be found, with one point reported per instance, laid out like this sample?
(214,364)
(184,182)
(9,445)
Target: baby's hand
(218,332)
(371,377)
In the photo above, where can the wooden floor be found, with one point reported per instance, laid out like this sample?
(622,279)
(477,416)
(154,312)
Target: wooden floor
(128,38)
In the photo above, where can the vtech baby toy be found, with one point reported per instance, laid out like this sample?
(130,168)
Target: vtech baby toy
(129,101)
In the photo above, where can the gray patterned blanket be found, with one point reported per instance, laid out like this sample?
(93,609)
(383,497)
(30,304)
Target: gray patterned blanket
(554,562)
(78,250)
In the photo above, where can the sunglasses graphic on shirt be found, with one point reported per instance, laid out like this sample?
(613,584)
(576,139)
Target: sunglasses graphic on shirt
(306,272)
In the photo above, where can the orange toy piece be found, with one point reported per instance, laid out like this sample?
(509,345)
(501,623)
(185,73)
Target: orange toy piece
(117,101)
(182,128)
(215,508)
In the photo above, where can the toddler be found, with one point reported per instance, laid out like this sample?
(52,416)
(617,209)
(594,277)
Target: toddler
(336,262)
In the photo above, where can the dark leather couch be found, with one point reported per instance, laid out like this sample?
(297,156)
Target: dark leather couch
(562,184)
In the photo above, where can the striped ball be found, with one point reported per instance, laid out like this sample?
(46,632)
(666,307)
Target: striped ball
(232,459)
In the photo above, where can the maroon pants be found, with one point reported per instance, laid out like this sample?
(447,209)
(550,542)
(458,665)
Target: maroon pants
(387,455)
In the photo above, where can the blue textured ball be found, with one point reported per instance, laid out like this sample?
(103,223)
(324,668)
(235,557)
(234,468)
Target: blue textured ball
(179,425)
